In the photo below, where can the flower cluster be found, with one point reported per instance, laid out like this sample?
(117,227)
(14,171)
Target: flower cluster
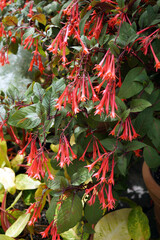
(64,150)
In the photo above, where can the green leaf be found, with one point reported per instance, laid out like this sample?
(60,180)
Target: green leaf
(4,237)
(18,226)
(26,118)
(29,32)
(41,18)
(133,83)
(23,182)
(49,103)
(83,20)
(80,176)
(122,164)
(127,34)
(58,183)
(94,212)
(134,145)
(75,233)
(16,161)
(10,21)
(4,161)
(138,105)
(38,91)
(120,3)
(154,133)
(138,224)
(151,157)
(121,105)
(110,143)
(69,214)
(50,213)
(143,121)
(15,201)
(113,226)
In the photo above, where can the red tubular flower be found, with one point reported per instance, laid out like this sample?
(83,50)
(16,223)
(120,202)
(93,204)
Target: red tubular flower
(129,132)
(53,230)
(107,73)
(28,42)
(63,154)
(110,199)
(38,162)
(4,57)
(77,91)
(155,58)
(36,60)
(36,207)
(94,27)
(111,178)
(30,14)
(2,31)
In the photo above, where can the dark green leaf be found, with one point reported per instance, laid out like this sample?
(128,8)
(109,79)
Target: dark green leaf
(110,143)
(80,176)
(69,214)
(154,133)
(94,212)
(59,183)
(122,164)
(134,145)
(138,105)
(133,82)
(151,157)
(50,213)
(143,121)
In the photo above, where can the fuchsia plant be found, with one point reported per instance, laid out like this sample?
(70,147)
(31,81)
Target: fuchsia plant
(97,65)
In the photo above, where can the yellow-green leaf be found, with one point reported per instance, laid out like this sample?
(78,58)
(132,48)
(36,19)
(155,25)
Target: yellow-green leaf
(23,182)
(16,161)
(18,226)
(4,161)
(113,226)
(4,237)
(41,18)
(10,21)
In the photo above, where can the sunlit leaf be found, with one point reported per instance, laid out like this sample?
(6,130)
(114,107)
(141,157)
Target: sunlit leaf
(23,182)
(113,226)
(18,226)
(41,18)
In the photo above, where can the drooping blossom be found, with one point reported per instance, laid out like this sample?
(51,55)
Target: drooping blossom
(155,58)
(77,91)
(4,56)
(94,26)
(53,231)
(71,28)
(96,150)
(36,60)
(129,132)
(106,70)
(28,42)
(4,3)
(63,155)
(145,41)
(38,162)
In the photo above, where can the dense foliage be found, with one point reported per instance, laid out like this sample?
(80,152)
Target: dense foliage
(92,109)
